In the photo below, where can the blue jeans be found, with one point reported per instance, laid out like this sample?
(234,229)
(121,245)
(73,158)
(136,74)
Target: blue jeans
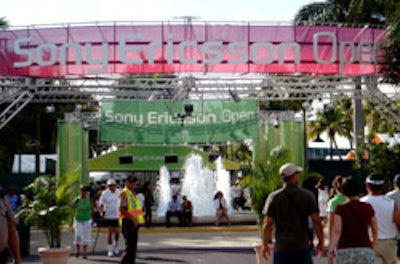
(298,257)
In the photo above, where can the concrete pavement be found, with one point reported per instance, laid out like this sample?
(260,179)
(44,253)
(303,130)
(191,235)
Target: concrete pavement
(197,245)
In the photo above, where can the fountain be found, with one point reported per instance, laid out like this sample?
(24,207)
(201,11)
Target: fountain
(223,183)
(199,184)
(163,191)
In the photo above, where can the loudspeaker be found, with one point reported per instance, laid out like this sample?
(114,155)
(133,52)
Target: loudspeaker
(125,160)
(188,109)
(171,159)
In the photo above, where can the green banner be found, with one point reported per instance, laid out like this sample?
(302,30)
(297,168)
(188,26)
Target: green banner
(166,122)
(73,151)
(289,135)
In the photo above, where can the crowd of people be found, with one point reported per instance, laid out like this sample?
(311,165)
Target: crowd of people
(362,224)
(98,205)
(119,208)
(112,206)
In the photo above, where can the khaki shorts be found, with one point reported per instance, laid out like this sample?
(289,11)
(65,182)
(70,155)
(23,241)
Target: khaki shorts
(386,251)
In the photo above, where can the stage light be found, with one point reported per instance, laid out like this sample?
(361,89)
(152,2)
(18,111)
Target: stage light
(50,109)
(153,97)
(276,122)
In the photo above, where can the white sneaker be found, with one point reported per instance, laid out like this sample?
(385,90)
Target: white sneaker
(110,251)
(116,249)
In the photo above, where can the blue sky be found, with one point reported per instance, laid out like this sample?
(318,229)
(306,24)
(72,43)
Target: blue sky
(28,12)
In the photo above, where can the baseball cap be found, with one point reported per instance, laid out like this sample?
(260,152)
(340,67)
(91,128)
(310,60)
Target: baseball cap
(288,169)
(111,182)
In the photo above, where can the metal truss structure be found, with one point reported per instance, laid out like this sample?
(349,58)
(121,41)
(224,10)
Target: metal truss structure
(16,93)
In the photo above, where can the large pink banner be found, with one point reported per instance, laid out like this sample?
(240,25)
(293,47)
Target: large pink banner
(202,48)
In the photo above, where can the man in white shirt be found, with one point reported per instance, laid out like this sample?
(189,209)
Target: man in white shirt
(388,218)
(174,209)
(108,203)
(395,195)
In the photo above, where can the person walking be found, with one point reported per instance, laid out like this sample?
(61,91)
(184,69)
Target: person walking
(388,218)
(350,242)
(13,199)
(338,198)
(287,210)
(395,195)
(323,199)
(9,238)
(131,217)
(108,204)
(82,221)
(221,208)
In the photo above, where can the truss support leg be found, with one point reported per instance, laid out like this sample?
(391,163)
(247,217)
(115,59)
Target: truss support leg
(358,117)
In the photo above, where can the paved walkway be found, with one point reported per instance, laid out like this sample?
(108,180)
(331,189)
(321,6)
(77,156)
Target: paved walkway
(197,245)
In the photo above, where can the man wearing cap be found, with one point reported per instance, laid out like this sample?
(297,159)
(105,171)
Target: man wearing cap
(395,195)
(387,216)
(131,217)
(287,210)
(108,204)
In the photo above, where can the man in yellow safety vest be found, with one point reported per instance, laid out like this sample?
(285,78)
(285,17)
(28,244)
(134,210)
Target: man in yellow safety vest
(130,218)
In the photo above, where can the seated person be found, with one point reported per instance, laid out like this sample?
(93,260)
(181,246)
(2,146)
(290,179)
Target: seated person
(221,208)
(240,202)
(186,211)
(173,209)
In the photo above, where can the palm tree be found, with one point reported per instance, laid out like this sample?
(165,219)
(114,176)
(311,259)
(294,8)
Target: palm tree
(346,107)
(391,49)
(3,23)
(319,12)
(333,120)
(264,176)
(347,11)
(241,152)
(375,120)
